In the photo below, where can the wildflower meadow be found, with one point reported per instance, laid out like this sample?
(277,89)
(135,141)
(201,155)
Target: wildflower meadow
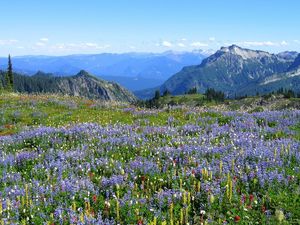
(70,161)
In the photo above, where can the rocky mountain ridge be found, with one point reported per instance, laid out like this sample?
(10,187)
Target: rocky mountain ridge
(82,84)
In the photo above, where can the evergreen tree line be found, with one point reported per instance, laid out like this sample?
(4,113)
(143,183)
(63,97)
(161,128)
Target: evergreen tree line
(214,95)
(153,102)
(209,95)
(8,82)
(287,93)
(192,91)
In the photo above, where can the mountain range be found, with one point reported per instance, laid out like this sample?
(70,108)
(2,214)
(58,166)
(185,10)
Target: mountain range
(82,84)
(132,70)
(236,71)
(233,70)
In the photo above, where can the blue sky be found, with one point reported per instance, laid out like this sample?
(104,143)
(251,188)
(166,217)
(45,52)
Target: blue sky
(61,27)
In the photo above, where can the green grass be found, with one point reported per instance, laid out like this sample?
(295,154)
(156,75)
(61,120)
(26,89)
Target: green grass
(182,99)
(297,130)
(20,111)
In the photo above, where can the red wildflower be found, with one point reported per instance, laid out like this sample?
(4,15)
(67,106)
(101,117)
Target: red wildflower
(140,222)
(263,209)
(95,198)
(251,198)
(237,219)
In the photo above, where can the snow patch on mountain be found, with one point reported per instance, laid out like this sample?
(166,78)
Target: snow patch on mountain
(279,77)
(244,53)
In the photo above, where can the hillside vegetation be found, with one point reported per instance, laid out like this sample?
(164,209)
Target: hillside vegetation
(82,84)
(69,160)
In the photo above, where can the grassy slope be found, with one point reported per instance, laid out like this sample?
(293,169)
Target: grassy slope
(19,111)
(249,104)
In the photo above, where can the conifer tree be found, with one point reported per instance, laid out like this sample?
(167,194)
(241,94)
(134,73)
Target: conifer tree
(10,76)
(157,95)
(1,85)
(6,82)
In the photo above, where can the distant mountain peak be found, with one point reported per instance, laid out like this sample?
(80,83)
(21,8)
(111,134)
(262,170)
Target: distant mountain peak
(42,74)
(39,72)
(243,52)
(231,47)
(234,69)
(83,73)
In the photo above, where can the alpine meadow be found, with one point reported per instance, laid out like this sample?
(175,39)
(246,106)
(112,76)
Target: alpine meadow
(149,112)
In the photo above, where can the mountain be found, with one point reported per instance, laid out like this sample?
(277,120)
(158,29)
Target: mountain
(134,83)
(233,70)
(154,66)
(288,55)
(82,84)
(295,64)
(289,79)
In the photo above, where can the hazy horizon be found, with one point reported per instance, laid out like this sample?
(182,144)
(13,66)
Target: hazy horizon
(205,52)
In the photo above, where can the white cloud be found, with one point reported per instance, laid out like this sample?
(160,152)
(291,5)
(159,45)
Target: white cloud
(93,45)
(198,44)
(40,44)
(263,43)
(181,45)
(44,39)
(212,39)
(78,46)
(8,42)
(60,46)
(183,39)
(259,43)
(167,44)
(297,41)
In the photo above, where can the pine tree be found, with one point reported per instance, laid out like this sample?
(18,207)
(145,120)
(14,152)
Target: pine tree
(10,76)
(6,82)
(1,85)
(166,92)
(157,95)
